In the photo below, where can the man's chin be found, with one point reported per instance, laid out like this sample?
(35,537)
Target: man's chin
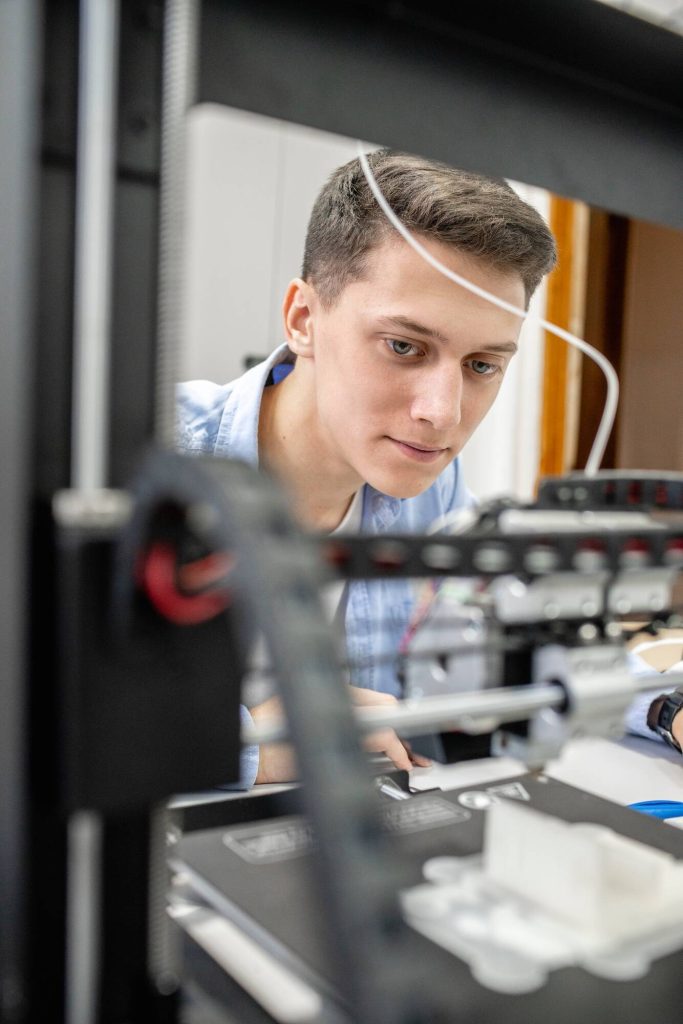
(401,489)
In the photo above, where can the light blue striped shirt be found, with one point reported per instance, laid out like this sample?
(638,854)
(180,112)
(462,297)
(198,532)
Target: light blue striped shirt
(223,420)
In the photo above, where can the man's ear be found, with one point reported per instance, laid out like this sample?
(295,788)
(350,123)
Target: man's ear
(297,308)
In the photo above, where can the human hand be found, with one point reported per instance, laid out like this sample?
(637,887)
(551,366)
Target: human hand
(276,761)
(385,740)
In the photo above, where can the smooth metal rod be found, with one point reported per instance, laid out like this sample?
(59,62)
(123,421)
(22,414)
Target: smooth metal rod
(83,917)
(94,242)
(414,717)
(475,711)
(97,97)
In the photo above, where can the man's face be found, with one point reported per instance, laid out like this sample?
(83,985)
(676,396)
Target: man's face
(406,364)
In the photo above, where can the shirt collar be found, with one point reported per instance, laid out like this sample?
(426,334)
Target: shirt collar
(238,429)
(383,509)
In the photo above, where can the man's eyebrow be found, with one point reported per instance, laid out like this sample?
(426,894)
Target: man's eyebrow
(505,346)
(405,323)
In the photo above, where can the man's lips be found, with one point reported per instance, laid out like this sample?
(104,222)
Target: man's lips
(418,452)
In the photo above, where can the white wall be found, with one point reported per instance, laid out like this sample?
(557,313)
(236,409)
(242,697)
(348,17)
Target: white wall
(503,455)
(251,185)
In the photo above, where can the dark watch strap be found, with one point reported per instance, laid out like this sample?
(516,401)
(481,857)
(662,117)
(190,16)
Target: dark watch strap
(669,706)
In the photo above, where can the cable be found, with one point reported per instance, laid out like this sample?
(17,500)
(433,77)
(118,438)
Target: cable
(425,602)
(457,520)
(662,809)
(228,507)
(612,399)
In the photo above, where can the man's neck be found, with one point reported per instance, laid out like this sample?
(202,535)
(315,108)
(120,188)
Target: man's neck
(292,445)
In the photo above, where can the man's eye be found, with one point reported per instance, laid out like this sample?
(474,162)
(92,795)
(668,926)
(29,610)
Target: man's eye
(402,348)
(483,369)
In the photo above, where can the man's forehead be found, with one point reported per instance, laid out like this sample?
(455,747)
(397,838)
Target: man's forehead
(392,260)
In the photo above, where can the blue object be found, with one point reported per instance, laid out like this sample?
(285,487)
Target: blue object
(660,808)
(281,371)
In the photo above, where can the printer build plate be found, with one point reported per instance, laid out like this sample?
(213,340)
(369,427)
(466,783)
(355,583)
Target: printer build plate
(260,877)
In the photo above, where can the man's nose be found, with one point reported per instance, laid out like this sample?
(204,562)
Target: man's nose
(439,399)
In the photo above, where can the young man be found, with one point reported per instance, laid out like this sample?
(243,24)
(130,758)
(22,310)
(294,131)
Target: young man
(387,370)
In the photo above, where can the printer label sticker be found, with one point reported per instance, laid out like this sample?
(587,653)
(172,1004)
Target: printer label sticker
(268,844)
(421,815)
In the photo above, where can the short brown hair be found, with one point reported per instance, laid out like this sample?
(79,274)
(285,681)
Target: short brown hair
(480,216)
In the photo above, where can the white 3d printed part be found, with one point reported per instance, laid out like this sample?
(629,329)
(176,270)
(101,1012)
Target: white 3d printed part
(548,894)
(607,886)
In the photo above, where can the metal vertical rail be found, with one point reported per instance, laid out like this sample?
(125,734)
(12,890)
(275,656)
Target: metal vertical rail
(181,21)
(93,271)
(179,86)
(98,52)
(83,917)
(19,46)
